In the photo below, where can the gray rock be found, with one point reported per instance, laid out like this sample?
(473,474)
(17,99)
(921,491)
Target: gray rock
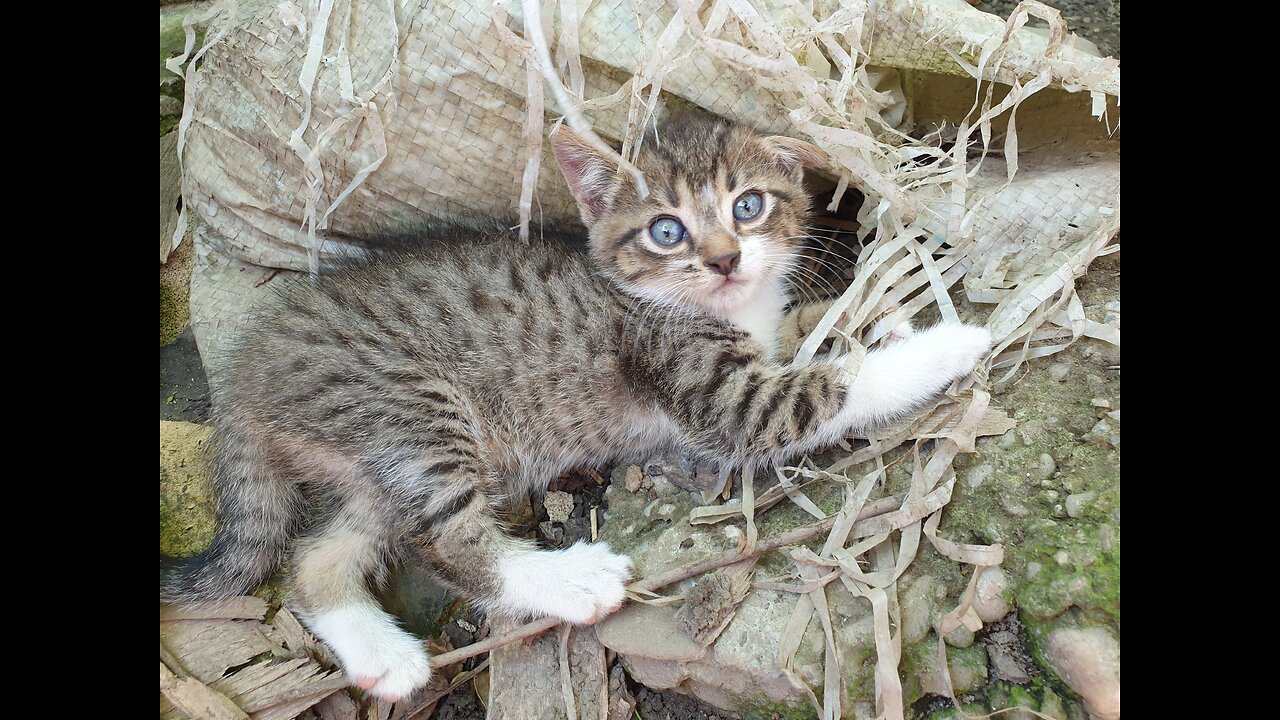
(1006,662)
(978,474)
(648,631)
(1045,467)
(918,608)
(559,505)
(968,671)
(960,637)
(1077,502)
(577,529)
(525,677)
(988,596)
(552,532)
(1106,537)
(1088,660)
(1079,424)
(170,106)
(1059,371)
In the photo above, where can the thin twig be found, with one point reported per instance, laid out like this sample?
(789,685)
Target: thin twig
(537,626)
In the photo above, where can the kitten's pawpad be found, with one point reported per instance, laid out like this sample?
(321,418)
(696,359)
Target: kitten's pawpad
(377,655)
(580,584)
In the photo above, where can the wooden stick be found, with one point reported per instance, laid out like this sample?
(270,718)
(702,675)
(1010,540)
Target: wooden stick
(651,584)
(537,626)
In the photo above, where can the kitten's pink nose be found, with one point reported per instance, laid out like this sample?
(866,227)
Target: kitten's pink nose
(725,264)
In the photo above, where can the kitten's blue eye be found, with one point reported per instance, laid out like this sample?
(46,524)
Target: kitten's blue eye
(667,231)
(748,206)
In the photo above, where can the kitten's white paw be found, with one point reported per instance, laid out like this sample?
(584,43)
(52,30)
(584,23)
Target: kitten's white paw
(580,584)
(955,348)
(377,655)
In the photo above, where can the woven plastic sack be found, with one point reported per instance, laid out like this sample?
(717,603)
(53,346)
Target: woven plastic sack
(309,125)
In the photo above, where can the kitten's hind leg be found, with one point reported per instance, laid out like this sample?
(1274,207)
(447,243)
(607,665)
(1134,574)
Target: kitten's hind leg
(333,568)
(469,551)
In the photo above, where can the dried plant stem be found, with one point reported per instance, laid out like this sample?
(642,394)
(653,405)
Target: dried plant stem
(791,537)
(540,625)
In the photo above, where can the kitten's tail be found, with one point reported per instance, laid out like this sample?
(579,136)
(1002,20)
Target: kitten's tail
(257,513)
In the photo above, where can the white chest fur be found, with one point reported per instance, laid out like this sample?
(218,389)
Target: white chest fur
(761,315)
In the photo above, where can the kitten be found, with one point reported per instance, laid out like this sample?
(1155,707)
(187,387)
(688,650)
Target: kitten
(410,395)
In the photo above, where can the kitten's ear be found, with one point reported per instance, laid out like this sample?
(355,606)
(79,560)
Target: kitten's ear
(795,155)
(589,173)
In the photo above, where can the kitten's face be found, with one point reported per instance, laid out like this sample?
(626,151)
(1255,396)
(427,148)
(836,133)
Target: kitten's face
(724,216)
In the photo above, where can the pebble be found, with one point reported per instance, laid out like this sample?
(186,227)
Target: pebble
(634,477)
(1061,557)
(978,474)
(1106,537)
(1077,502)
(960,637)
(1088,660)
(578,528)
(1045,467)
(559,506)
(552,532)
(1013,507)
(1059,371)
(988,599)
(170,106)
(1004,663)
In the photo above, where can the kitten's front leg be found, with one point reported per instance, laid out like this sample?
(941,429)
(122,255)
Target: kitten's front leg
(733,403)
(470,552)
(905,374)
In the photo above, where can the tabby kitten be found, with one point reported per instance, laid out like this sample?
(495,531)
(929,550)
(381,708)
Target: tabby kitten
(411,395)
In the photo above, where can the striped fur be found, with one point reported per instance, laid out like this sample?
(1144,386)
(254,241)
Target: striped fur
(381,413)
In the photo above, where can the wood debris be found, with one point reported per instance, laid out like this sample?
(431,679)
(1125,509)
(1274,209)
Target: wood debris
(223,660)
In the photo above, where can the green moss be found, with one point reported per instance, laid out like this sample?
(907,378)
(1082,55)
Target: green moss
(950,713)
(169,124)
(770,710)
(186,503)
(186,518)
(174,314)
(1019,506)
(1089,579)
